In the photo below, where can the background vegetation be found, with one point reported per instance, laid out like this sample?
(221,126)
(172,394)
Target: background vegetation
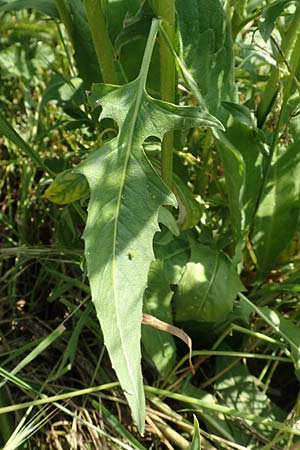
(172,146)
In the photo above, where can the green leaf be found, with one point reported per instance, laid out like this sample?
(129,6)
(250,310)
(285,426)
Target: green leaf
(166,218)
(196,443)
(175,254)
(208,286)
(240,112)
(159,345)
(65,92)
(126,194)
(190,210)
(205,30)
(117,13)
(67,187)
(84,52)
(278,212)
(269,16)
(130,46)
(14,62)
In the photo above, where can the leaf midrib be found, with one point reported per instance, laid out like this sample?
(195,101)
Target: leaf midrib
(129,142)
(210,283)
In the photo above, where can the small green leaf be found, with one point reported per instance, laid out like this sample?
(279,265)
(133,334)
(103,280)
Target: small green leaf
(269,16)
(196,443)
(208,286)
(67,187)
(167,219)
(240,112)
(190,210)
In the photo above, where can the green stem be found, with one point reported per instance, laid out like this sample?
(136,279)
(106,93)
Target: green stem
(272,86)
(101,39)
(166,10)
(65,17)
(147,57)
(286,95)
(56,398)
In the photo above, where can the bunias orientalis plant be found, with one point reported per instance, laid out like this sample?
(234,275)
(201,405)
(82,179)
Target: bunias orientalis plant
(126,195)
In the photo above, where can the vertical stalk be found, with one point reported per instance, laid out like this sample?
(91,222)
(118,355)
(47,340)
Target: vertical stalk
(101,39)
(166,10)
(65,17)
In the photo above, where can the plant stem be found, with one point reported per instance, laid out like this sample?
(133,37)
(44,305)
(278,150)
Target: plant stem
(65,17)
(272,87)
(101,39)
(166,10)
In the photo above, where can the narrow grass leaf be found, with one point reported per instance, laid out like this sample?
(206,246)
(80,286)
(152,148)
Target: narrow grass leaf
(196,443)
(37,350)
(10,133)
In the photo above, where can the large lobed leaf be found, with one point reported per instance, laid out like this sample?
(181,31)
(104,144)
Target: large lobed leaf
(126,194)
